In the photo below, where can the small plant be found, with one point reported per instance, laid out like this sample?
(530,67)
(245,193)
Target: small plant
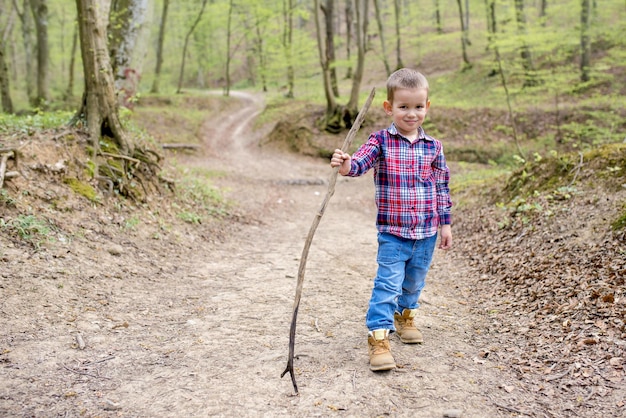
(189,217)
(131,223)
(29,228)
(6,199)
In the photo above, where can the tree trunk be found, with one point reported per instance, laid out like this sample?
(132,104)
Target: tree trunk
(438,23)
(329,16)
(27,37)
(186,44)
(70,83)
(40,13)
(361,39)
(397,12)
(260,50)
(5,81)
(585,44)
(530,77)
(288,45)
(331,104)
(381,35)
(228,46)
(7,103)
(99,105)
(464,39)
(159,53)
(126,21)
(349,23)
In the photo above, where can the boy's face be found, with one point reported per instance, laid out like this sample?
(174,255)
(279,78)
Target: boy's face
(408,110)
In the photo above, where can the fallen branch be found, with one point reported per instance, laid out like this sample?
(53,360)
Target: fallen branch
(307,244)
(180,146)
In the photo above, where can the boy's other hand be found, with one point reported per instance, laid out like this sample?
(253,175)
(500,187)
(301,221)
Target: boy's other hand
(446,237)
(342,160)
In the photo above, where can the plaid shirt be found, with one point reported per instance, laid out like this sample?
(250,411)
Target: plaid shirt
(411,179)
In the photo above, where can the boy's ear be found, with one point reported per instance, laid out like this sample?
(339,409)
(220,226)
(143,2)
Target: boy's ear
(387,106)
(427,105)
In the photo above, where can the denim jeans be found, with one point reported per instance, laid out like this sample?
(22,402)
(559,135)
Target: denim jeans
(402,267)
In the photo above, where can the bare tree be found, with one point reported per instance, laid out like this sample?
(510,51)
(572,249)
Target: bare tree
(160,42)
(40,13)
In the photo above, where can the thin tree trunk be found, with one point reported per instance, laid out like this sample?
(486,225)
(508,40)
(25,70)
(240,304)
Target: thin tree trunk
(40,13)
(186,44)
(361,33)
(5,84)
(585,44)
(329,16)
(27,38)
(5,92)
(70,83)
(228,46)
(381,35)
(159,53)
(438,23)
(260,51)
(464,38)
(288,46)
(530,77)
(331,104)
(396,8)
(349,23)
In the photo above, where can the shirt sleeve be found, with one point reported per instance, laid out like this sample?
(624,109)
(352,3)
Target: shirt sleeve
(365,156)
(442,181)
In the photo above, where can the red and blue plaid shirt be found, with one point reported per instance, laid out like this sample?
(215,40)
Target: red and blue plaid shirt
(411,179)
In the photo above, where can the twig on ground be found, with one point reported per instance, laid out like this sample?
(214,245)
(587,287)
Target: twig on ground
(84,373)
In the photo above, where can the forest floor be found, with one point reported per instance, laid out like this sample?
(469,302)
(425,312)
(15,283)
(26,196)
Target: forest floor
(133,313)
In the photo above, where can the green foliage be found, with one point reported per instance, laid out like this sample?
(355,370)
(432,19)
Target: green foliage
(620,223)
(195,191)
(29,124)
(29,228)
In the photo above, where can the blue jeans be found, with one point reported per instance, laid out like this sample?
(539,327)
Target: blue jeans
(402,267)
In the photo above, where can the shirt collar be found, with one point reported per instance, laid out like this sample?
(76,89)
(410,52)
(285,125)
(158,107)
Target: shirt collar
(393,130)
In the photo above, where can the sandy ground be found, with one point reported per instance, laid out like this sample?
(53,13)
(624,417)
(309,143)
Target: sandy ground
(187,324)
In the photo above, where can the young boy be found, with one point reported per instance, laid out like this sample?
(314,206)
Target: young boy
(413,199)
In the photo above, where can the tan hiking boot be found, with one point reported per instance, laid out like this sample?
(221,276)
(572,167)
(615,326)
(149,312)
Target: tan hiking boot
(406,329)
(380,351)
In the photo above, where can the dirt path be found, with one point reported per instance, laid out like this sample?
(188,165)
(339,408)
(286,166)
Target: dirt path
(197,325)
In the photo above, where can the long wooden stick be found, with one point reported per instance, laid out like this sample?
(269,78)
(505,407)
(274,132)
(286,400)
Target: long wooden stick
(307,244)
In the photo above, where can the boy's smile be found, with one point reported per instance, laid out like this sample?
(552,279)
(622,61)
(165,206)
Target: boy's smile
(408,110)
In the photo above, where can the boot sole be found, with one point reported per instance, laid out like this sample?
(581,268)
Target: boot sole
(411,341)
(383,367)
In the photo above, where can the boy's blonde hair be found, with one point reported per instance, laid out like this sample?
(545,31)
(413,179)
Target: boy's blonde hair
(405,78)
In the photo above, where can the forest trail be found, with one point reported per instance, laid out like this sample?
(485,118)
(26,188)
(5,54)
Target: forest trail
(198,325)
